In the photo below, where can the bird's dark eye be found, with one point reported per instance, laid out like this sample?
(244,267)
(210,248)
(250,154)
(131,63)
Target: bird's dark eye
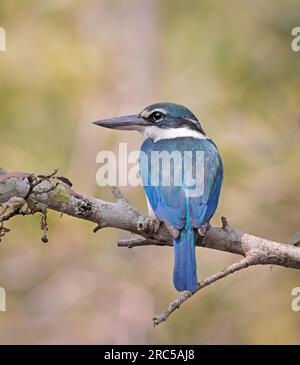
(157,116)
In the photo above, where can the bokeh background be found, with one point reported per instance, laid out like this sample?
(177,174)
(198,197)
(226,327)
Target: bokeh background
(69,62)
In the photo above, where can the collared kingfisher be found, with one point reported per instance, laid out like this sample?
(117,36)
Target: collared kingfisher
(185,208)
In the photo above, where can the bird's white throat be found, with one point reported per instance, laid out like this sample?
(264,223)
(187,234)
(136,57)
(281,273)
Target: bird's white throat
(156,133)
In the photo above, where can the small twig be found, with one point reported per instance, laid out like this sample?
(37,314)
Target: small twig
(239,265)
(52,188)
(47,177)
(44,227)
(140,242)
(137,242)
(8,216)
(3,231)
(118,194)
(225,224)
(65,180)
(13,213)
(35,181)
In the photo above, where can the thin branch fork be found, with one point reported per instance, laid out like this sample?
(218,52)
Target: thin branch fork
(239,265)
(42,192)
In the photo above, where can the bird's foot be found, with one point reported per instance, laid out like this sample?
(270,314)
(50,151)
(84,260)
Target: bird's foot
(203,229)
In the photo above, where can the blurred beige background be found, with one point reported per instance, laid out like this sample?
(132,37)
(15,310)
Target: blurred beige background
(70,62)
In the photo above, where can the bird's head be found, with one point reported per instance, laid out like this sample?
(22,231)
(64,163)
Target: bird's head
(156,120)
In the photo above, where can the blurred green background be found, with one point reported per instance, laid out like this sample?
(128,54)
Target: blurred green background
(70,62)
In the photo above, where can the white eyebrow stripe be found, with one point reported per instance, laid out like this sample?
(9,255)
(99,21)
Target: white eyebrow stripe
(147,113)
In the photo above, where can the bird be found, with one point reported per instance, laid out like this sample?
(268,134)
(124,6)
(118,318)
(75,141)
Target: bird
(185,208)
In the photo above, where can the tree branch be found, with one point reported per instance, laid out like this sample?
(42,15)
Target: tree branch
(44,192)
(239,265)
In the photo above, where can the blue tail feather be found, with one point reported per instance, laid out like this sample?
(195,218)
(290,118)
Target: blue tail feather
(185,267)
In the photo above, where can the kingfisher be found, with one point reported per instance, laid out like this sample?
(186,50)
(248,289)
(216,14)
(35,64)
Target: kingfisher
(182,183)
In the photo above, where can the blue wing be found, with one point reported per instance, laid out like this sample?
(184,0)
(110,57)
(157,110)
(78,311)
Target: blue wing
(169,203)
(203,207)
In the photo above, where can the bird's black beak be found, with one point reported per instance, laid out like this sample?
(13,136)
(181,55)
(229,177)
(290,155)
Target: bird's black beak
(128,122)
